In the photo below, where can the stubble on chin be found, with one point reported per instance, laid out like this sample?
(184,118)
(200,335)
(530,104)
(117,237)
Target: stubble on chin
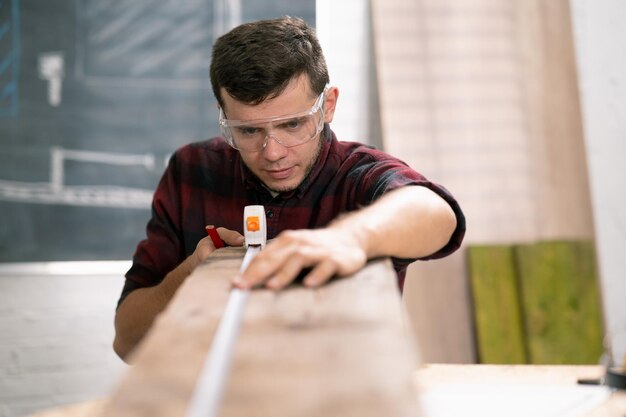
(309,167)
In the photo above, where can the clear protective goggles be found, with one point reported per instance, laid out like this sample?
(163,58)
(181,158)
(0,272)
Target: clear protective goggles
(289,130)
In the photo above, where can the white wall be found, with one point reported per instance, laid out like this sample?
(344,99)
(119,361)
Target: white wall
(56,333)
(600,37)
(344,30)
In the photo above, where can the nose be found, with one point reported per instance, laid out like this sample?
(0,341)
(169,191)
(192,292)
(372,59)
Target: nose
(273,149)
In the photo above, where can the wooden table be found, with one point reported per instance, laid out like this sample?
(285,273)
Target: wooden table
(429,377)
(93,408)
(441,375)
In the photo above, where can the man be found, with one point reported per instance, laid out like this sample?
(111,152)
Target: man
(330,205)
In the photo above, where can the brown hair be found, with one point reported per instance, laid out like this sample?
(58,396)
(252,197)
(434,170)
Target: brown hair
(257,60)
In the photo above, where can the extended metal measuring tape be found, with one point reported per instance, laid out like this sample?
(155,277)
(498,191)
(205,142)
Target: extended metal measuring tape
(207,396)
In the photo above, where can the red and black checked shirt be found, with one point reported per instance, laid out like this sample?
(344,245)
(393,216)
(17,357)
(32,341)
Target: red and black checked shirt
(207,183)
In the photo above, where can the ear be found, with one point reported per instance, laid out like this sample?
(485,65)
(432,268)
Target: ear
(330,103)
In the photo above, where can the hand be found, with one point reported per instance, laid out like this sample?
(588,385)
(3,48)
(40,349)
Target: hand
(206,247)
(327,251)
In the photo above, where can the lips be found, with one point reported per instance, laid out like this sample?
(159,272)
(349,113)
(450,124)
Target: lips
(280,174)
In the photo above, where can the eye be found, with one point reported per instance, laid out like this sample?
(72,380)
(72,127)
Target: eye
(248,130)
(291,124)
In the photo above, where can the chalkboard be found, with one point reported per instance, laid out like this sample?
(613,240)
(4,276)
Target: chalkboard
(94,97)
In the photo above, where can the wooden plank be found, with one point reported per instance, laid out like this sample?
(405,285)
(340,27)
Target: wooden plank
(497,312)
(167,363)
(91,408)
(561,302)
(340,350)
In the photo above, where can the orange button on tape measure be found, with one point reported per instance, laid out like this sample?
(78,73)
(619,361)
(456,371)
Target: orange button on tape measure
(253,224)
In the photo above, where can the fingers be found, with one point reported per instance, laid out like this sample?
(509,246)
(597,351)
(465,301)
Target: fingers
(321,273)
(206,245)
(231,237)
(323,270)
(291,252)
(281,276)
(326,252)
(285,275)
(264,267)
(204,248)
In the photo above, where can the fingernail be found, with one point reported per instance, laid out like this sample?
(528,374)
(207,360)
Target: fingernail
(273,283)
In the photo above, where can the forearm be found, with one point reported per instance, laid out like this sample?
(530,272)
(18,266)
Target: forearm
(410,222)
(137,312)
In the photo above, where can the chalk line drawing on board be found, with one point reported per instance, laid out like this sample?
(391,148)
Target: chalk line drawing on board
(9,58)
(51,67)
(56,191)
(151,43)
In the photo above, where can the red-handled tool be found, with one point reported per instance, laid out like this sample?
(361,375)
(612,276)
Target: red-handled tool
(215,237)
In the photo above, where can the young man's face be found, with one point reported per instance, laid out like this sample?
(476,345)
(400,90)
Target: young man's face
(281,168)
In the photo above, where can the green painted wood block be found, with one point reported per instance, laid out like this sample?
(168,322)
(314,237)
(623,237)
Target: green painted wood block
(499,328)
(561,302)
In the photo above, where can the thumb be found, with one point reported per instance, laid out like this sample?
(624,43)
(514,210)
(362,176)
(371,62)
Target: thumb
(231,237)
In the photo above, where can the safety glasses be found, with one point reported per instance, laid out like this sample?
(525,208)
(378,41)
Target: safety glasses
(289,130)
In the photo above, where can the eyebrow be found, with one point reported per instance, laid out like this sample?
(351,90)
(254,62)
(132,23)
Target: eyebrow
(286,116)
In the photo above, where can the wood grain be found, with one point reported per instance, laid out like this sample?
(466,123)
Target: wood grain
(340,350)
(537,303)
(561,302)
(497,312)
